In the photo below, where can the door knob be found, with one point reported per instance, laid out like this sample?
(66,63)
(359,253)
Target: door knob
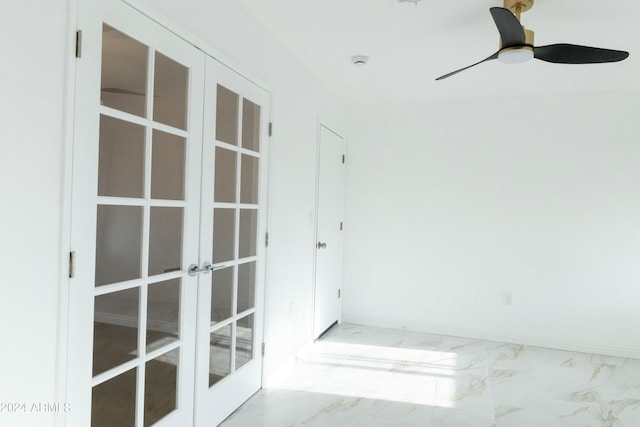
(195,270)
(321,245)
(206,268)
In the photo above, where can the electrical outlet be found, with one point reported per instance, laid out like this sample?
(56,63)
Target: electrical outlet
(507,298)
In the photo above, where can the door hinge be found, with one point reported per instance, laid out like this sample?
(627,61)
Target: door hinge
(72,264)
(339,293)
(266,240)
(79,44)
(263,346)
(270,128)
(341,226)
(343,158)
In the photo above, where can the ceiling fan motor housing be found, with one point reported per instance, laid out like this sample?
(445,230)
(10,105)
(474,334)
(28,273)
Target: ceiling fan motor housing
(518,54)
(530,36)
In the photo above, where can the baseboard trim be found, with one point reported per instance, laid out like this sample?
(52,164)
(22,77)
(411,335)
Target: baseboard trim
(494,336)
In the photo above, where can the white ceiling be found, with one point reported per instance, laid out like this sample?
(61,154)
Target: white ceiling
(410,45)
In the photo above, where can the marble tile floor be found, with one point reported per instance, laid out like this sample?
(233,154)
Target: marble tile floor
(360,376)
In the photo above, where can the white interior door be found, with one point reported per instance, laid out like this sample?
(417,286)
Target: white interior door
(329,230)
(231,300)
(135,221)
(154,172)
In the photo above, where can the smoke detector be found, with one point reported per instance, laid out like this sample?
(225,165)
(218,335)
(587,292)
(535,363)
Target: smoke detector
(359,60)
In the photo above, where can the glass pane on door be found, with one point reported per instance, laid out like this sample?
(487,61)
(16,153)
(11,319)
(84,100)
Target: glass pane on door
(244,341)
(168,166)
(225,175)
(246,286)
(115,329)
(124,72)
(248,233)
(222,294)
(118,243)
(170,92)
(165,239)
(113,403)
(249,179)
(220,356)
(224,228)
(121,162)
(227,115)
(160,389)
(163,313)
(250,125)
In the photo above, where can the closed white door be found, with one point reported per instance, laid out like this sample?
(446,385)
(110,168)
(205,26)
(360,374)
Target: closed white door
(153,165)
(234,193)
(328,281)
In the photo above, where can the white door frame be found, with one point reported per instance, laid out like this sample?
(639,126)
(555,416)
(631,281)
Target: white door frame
(64,282)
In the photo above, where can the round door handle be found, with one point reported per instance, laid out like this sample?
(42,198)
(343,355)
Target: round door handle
(321,245)
(206,268)
(195,270)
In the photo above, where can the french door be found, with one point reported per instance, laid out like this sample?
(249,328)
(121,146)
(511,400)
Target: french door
(169,189)
(230,302)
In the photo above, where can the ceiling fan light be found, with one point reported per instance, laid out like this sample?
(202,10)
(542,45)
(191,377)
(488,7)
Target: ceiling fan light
(516,55)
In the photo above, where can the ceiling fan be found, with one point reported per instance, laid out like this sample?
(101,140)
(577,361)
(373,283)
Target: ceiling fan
(121,91)
(517,43)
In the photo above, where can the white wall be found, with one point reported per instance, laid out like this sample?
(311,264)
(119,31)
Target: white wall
(225,30)
(32,79)
(452,204)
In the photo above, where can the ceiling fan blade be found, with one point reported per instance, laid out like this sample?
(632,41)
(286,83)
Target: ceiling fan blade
(121,91)
(564,53)
(509,27)
(494,56)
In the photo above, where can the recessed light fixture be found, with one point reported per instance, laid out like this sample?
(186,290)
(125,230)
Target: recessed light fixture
(359,60)
(409,1)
